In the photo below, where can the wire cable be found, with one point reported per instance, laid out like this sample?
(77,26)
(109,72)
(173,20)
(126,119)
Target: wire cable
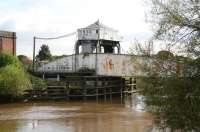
(58,37)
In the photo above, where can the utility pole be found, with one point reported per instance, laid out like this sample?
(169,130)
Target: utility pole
(34,38)
(97,45)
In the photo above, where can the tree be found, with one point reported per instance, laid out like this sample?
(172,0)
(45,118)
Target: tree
(141,49)
(177,21)
(44,53)
(174,102)
(24,59)
(174,98)
(164,55)
(27,63)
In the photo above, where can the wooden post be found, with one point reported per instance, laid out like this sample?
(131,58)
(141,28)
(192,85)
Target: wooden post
(67,90)
(43,76)
(121,83)
(104,86)
(58,77)
(34,38)
(110,94)
(109,86)
(130,85)
(84,89)
(97,90)
(134,81)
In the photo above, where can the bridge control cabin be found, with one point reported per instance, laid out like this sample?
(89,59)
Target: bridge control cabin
(98,38)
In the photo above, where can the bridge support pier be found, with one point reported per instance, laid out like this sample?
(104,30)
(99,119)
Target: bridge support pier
(58,77)
(43,76)
(96,87)
(87,87)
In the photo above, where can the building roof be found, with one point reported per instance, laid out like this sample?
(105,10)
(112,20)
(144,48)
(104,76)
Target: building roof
(7,34)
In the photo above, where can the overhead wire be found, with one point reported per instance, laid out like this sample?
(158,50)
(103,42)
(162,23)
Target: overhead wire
(58,37)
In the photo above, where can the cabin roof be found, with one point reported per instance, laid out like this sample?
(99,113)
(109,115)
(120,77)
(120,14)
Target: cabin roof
(98,25)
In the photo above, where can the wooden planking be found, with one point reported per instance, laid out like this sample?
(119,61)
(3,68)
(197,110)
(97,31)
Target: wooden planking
(85,87)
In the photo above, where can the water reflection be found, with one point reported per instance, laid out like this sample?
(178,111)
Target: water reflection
(135,102)
(74,117)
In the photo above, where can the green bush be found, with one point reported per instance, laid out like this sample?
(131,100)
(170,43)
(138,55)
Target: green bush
(13,78)
(37,83)
(7,59)
(13,81)
(174,100)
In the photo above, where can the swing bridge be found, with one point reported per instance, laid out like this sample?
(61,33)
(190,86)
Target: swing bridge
(96,69)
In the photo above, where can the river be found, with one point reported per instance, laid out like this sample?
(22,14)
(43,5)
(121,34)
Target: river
(61,116)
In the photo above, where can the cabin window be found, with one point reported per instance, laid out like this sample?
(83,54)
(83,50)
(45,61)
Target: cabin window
(97,31)
(108,49)
(102,49)
(115,50)
(94,50)
(80,49)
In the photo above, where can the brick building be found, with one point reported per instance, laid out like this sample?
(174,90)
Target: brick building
(8,42)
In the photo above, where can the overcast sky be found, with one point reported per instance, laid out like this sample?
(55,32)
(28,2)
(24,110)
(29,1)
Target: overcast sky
(49,18)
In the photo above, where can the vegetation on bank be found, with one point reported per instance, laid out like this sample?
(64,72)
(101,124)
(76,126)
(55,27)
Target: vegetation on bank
(37,83)
(173,97)
(171,90)
(14,79)
(26,62)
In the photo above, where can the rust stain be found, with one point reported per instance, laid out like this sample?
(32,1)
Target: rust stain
(123,67)
(108,65)
(111,65)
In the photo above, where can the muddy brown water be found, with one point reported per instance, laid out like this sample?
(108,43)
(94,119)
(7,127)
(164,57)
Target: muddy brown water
(73,117)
